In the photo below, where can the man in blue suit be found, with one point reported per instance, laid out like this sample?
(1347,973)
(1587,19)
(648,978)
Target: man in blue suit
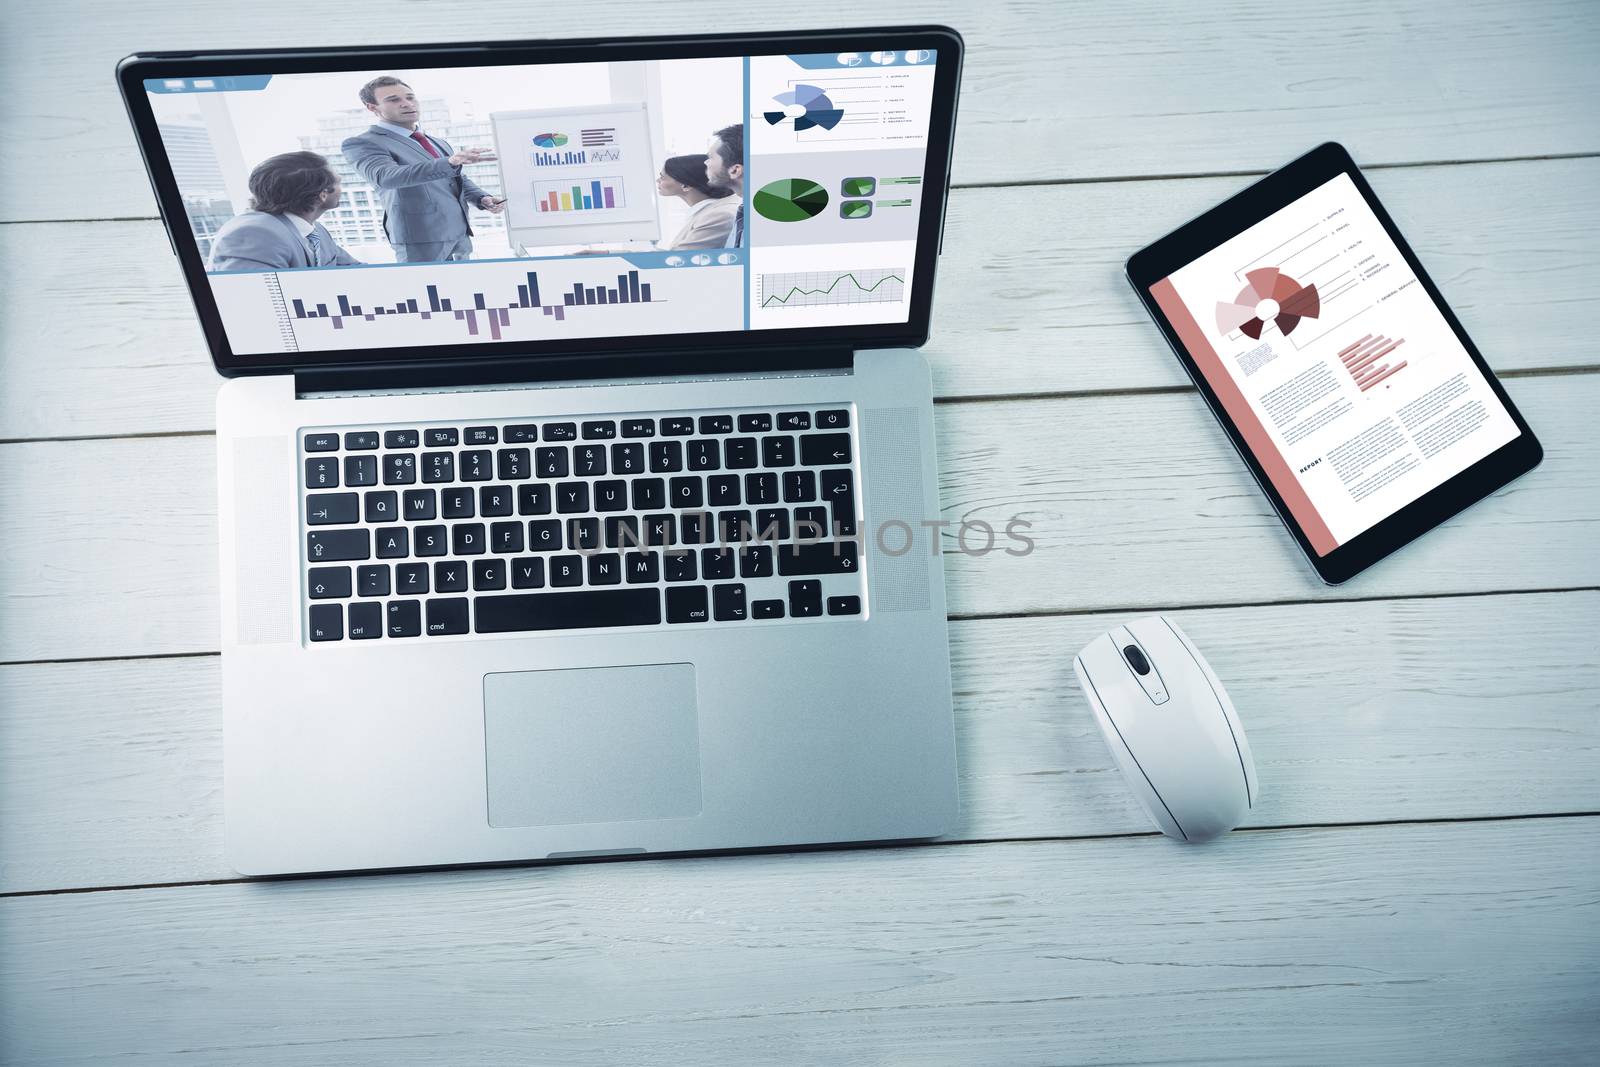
(288,193)
(426,199)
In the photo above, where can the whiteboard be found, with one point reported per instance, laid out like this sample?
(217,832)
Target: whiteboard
(577,175)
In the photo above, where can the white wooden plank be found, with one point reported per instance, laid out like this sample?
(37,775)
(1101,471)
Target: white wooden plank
(102,338)
(1427,944)
(1051,90)
(1134,501)
(110,773)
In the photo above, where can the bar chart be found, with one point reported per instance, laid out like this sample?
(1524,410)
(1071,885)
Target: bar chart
(558,159)
(580,194)
(1367,360)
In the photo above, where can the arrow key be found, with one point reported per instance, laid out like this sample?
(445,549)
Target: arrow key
(331,509)
(326,583)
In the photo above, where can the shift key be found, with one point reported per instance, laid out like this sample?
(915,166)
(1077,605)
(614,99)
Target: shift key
(824,557)
(325,545)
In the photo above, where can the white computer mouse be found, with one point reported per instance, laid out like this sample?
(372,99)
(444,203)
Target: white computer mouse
(1170,725)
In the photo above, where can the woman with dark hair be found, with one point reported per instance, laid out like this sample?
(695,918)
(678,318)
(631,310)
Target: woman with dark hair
(711,210)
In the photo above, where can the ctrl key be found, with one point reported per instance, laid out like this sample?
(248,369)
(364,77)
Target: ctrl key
(327,622)
(405,618)
(366,621)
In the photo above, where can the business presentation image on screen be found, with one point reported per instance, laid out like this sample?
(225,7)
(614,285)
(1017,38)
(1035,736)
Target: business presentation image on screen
(553,202)
(1334,362)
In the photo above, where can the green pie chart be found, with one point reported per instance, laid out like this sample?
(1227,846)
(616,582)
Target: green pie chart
(790,200)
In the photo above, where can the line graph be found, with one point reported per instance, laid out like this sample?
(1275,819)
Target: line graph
(820,288)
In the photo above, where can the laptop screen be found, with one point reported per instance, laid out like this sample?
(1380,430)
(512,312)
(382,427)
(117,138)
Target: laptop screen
(390,208)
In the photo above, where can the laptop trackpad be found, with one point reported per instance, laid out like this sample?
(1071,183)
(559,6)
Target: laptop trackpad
(593,744)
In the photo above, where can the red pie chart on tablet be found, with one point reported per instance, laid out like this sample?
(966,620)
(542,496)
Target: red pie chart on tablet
(1270,296)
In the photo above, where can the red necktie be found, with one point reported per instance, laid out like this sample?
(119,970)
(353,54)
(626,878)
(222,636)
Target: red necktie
(427,145)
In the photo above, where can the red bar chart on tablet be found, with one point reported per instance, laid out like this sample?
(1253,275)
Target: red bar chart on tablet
(1369,361)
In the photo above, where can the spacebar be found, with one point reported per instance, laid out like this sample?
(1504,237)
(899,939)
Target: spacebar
(567,611)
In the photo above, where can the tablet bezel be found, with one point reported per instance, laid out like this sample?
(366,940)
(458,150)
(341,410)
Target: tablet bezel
(1277,190)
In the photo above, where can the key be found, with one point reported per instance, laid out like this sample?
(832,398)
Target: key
(697,528)
(733,527)
(439,466)
(820,558)
(322,442)
(704,455)
(560,431)
(680,566)
(494,501)
(685,493)
(505,537)
(391,541)
(488,574)
(527,572)
(767,609)
(589,461)
(572,497)
(331,509)
(665,457)
(419,504)
(622,531)
(810,524)
(583,534)
(777,451)
(566,570)
(382,506)
(480,435)
(772,524)
(441,437)
(330,546)
(649,494)
(366,621)
(571,610)
(466,539)
(825,449)
(515,464)
(642,567)
(447,617)
(410,578)
(755,561)
(638,427)
(327,622)
(603,430)
(405,618)
(833,420)
(400,439)
(678,426)
(716,423)
(372,580)
(458,503)
(794,420)
(755,423)
(360,470)
(805,599)
(611,495)
(627,458)
(844,605)
(660,530)
(799,486)
(838,489)
(605,569)
(722,490)
(399,468)
(477,465)
(550,462)
(450,576)
(521,433)
(687,603)
(533,499)
(361,441)
(322,473)
(544,535)
(727,603)
(328,583)
(716,563)
(761,488)
(431,541)
(740,453)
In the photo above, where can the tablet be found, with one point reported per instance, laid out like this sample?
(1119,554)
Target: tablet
(1359,403)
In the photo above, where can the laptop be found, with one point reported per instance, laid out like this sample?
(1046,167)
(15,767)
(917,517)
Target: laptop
(576,469)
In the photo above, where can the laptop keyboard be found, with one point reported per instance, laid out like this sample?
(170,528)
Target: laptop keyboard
(733,517)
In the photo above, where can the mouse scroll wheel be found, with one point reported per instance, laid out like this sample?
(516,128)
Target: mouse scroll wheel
(1136,660)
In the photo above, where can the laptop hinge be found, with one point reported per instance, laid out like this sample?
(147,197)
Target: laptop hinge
(468,372)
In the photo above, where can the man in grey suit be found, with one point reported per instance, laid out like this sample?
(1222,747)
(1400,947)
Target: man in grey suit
(426,199)
(288,193)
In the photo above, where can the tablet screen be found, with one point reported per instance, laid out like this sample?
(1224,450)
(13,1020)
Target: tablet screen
(1328,354)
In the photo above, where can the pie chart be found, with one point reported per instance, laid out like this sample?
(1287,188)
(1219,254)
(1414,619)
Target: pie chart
(549,140)
(808,105)
(790,200)
(1268,296)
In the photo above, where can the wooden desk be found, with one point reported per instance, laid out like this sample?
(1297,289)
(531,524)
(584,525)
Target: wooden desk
(1420,881)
